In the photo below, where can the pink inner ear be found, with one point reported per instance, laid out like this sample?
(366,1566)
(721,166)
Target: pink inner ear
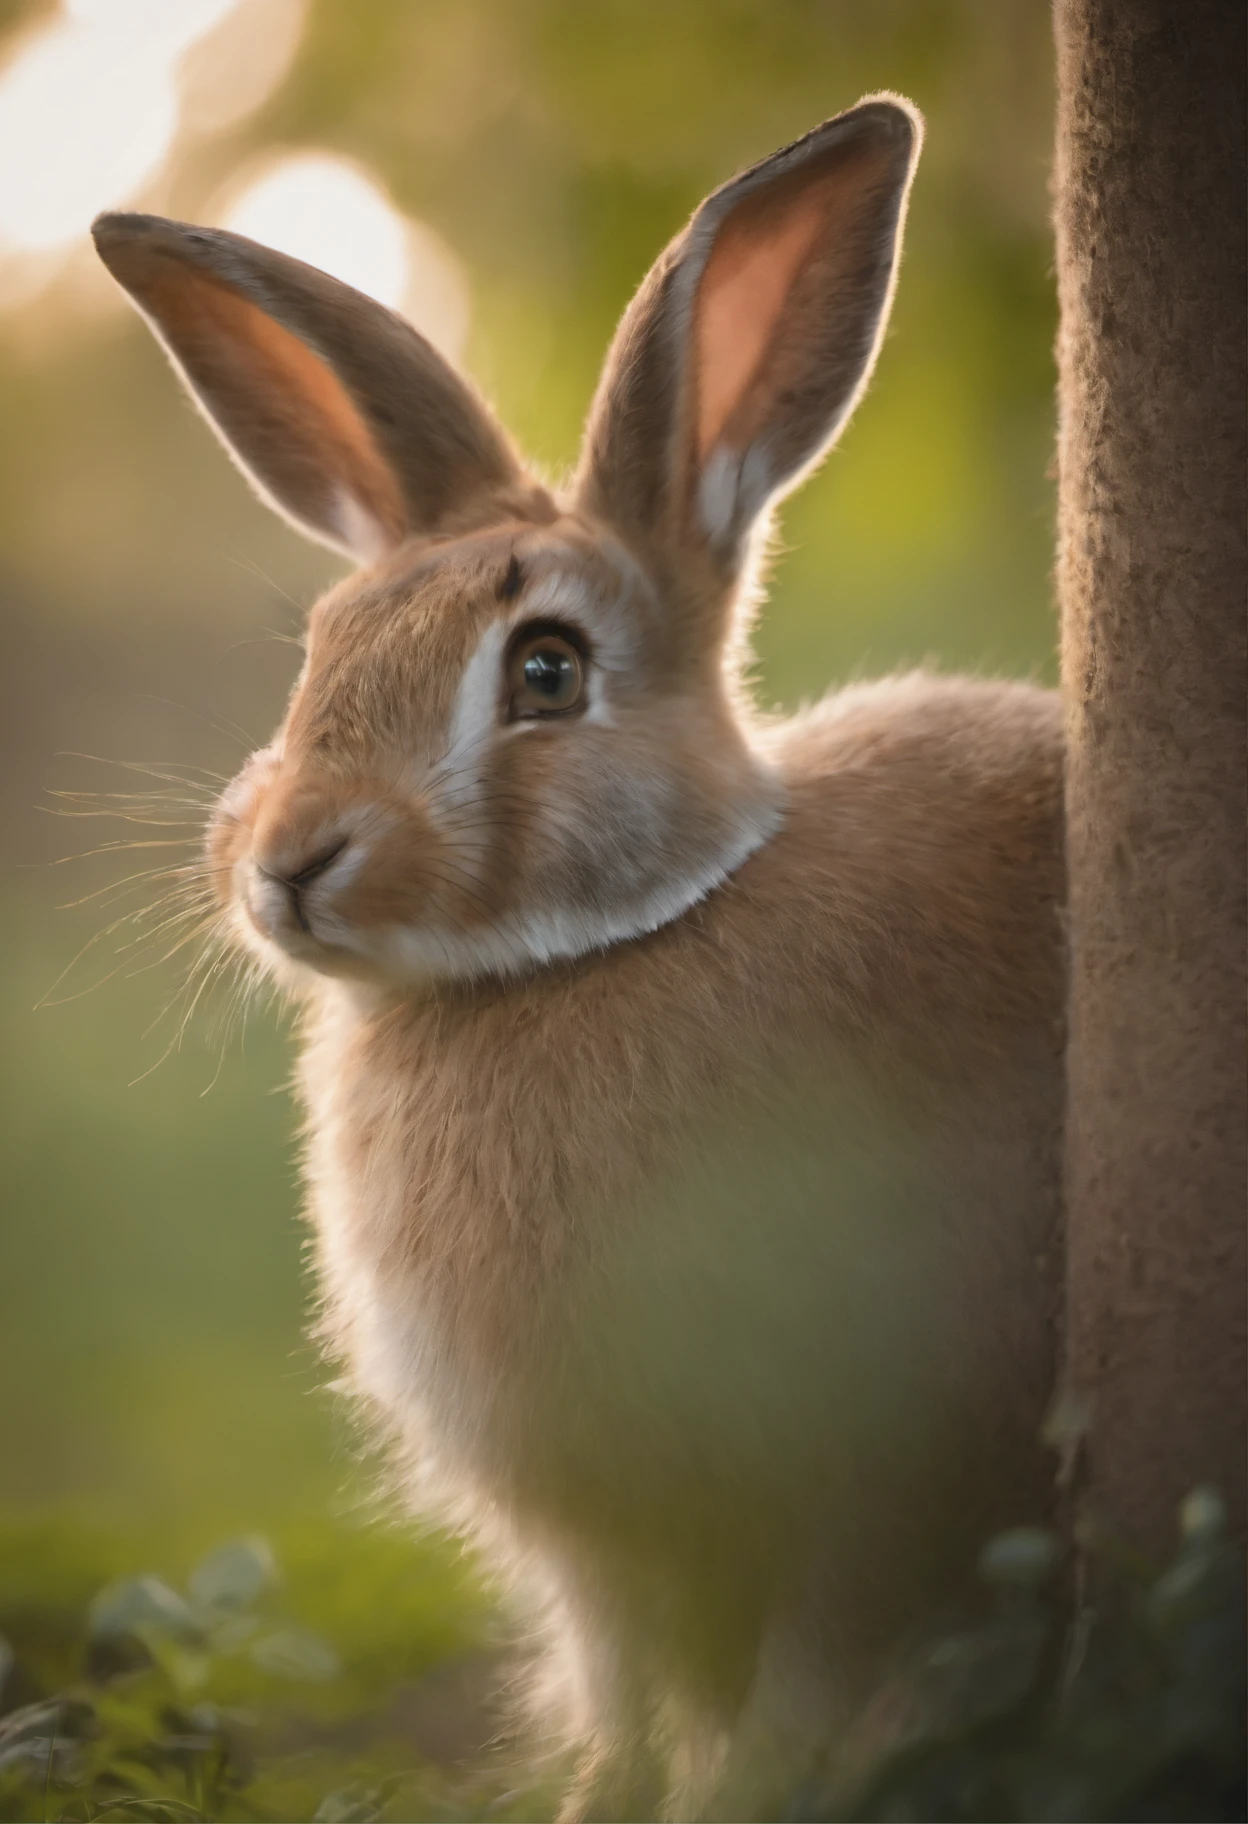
(282,406)
(741,300)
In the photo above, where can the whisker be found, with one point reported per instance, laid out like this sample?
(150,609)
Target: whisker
(247,563)
(219,964)
(156,962)
(161,914)
(246,987)
(128,842)
(157,769)
(137,804)
(160,798)
(118,889)
(153,934)
(117,848)
(202,967)
(221,725)
(271,637)
(52,999)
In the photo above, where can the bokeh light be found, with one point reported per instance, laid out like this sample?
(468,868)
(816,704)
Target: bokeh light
(119,94)
(331,213)
(234,68)
(91,105)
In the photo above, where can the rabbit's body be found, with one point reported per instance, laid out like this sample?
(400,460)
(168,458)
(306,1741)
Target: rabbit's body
(696,1289)
(681,1087)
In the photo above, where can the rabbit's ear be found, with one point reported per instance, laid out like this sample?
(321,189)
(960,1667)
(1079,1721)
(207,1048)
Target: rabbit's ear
(750,342)
(345,418)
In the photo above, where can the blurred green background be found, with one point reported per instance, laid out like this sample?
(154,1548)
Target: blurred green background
(158,1394)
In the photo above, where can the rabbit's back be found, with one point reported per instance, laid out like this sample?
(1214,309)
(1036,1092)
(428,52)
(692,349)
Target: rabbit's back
(923,855)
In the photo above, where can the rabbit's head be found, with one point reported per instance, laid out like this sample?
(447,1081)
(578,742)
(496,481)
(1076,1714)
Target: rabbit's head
(518,733)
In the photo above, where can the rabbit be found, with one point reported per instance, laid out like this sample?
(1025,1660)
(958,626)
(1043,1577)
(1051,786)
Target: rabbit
(682,1083)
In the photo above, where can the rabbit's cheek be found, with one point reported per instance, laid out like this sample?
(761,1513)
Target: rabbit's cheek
(405,878)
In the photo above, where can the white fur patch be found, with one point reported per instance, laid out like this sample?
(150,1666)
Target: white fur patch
(717,494)
(565,598)
(455,779)
(557,597)
(733,491)
(516,944)
(756,483)
(475,719)
(363,536)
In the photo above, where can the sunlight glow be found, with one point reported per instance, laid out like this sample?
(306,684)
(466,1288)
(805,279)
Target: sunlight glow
(233,69)
(329,212)
(169,24)
(91,104)
(85,117)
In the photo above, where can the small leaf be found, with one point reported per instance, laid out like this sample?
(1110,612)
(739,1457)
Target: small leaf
(137,1606)
(45,1734)
(185,1667)
(231,1632)
(351,1805)
(1198,1587)
(1202,1516)
(1022,1558)
(233,1576)
(292,1653)
(1068,1420)
(35,1752)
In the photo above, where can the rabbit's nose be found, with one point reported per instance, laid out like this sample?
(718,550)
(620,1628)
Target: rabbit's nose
(276,899)
(303,872)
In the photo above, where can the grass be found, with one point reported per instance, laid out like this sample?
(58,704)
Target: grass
(334,1671)
(343,1673)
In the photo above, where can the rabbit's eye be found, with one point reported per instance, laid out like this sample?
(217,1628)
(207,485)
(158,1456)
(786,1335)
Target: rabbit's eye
(545,677)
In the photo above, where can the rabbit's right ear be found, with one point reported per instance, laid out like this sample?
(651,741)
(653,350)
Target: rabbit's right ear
(747,347)
(345,418)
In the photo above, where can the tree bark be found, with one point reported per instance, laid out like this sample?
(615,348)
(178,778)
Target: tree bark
(1150,209)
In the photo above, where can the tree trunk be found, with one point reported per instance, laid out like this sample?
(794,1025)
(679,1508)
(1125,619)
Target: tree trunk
(1151,570)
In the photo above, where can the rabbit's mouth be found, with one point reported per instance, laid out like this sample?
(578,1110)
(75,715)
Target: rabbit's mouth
(281,904)
(309,899)
(323,871)
(279,880)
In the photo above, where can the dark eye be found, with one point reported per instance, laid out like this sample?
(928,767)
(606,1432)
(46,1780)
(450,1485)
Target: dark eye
(545,677)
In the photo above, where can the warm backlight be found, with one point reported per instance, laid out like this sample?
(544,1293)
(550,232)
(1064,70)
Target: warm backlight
(331,213)
(92,103)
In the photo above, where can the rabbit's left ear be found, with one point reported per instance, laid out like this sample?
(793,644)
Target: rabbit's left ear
(344,418)
(748,345)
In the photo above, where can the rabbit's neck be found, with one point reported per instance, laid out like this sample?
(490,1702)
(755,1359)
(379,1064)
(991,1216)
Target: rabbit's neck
(442,1217)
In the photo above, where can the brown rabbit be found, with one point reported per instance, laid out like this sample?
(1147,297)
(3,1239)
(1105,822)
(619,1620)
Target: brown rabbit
(681,1085)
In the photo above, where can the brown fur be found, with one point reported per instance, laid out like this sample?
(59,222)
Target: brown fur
(681,1087)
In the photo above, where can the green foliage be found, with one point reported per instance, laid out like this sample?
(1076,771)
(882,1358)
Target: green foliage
(267,1693)
(1133,1711)
(224,1699)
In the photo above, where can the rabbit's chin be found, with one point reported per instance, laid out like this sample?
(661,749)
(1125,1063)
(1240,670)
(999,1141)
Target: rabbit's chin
(407,957)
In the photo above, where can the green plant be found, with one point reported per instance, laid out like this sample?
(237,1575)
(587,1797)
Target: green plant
(214,1702)
(202,1704)
(1132,1708)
